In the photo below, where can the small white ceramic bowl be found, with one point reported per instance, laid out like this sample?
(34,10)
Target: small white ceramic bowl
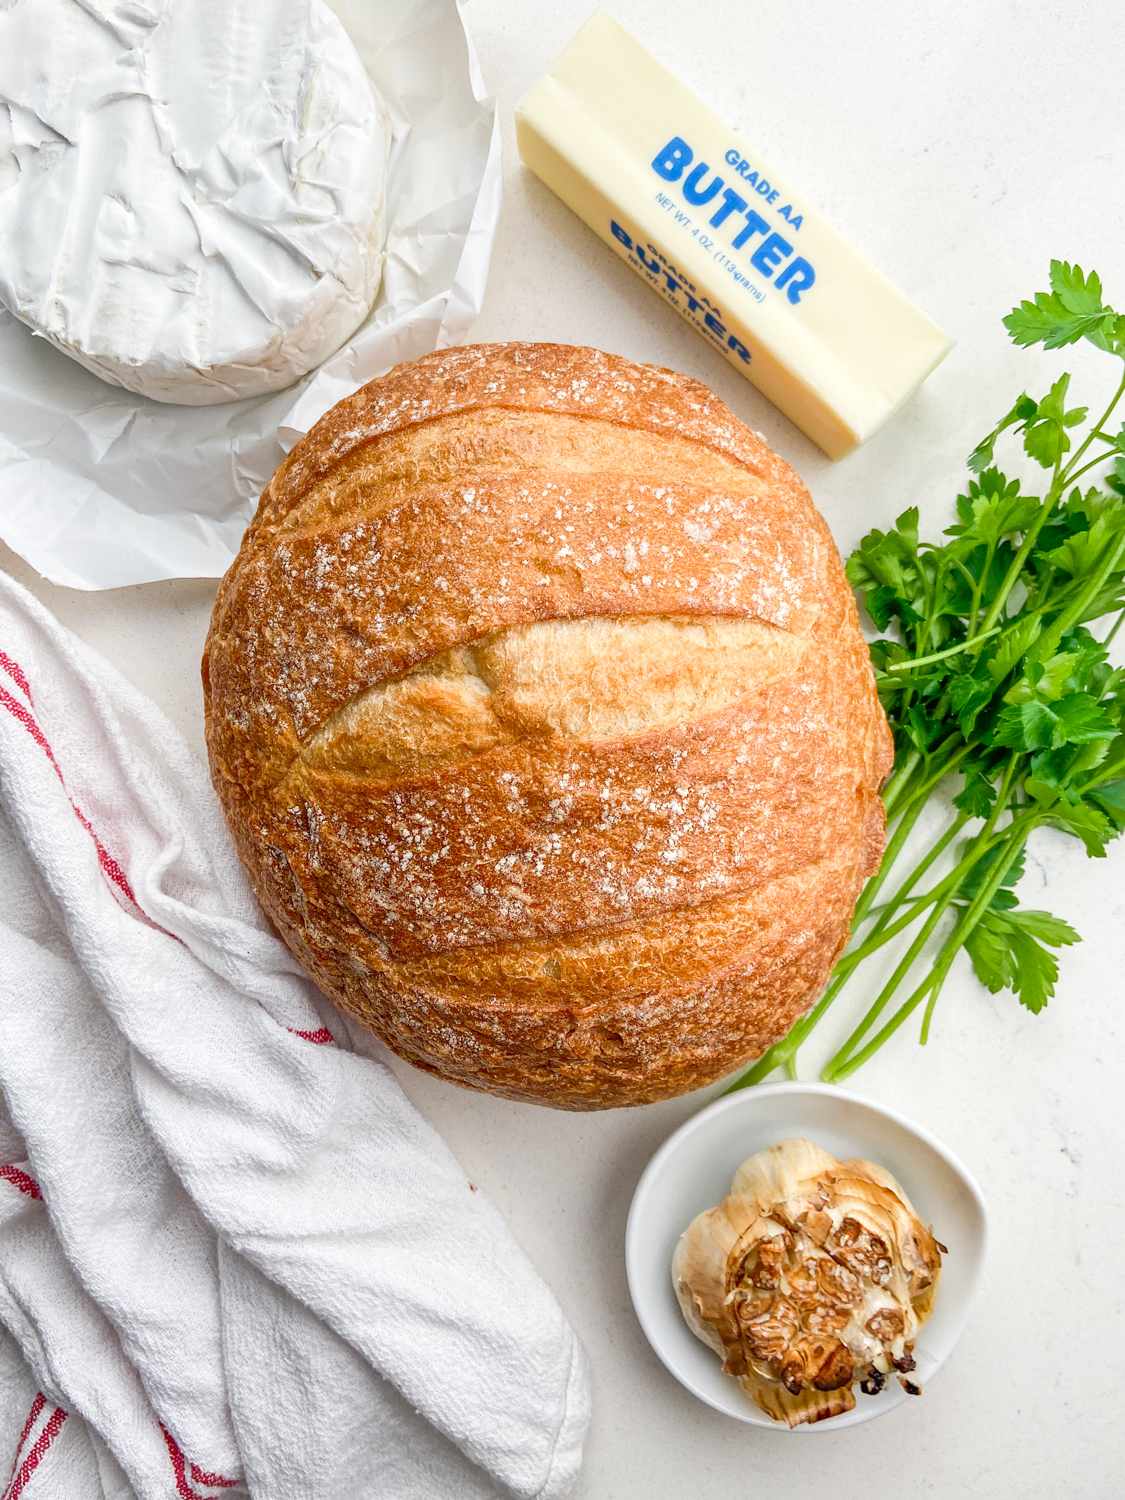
(693,1170)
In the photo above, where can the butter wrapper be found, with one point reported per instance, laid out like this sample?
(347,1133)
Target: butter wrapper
(736,251)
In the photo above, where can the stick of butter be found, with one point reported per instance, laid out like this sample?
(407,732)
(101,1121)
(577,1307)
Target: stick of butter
(741,256)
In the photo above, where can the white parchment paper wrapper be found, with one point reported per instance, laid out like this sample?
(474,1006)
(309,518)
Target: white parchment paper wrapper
(101,488)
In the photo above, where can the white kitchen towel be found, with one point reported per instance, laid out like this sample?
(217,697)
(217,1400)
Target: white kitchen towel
(231,1252)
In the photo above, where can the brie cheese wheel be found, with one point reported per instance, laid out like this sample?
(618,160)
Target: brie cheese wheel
(192,192)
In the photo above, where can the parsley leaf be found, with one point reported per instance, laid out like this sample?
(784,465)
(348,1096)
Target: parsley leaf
(1072,310)
(1009,951)
(1013,646)
(980,872)
(976,796)
(1078,293)
(994,508)
(1035,725)
(981,456)
(1110,799)
(1044,436)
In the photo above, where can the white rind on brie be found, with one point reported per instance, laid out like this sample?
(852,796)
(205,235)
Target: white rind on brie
(192,192)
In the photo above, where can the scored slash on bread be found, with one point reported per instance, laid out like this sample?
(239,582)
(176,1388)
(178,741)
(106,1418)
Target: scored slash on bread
(539,711)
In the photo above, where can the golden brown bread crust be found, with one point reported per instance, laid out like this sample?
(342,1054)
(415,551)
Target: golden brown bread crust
(539,712)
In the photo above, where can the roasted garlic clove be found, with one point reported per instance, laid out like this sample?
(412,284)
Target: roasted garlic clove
(813,1275)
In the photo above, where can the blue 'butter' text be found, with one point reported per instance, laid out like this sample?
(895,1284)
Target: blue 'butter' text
(772,252)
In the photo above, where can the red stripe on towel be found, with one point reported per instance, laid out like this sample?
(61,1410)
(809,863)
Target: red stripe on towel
(18,1178)
(318,1038)
(215,1480)
(37,1406)
(27,719)
(179,1469)
(15,672)
(110,867)
(38,1451)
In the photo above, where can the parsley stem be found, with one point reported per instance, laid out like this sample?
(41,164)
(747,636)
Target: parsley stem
(945,768)
(1076,613)
(1116,627)
(977,849)
(1036,601)
(1095,431)
(841,1065)
(943,895)
(837,1066)
(902,896)
(877,911)
(1015,567)
(891,853)
(842,1068)
(877,938)
(964,572)
(978,590)
(1093,464)
(970,917)
(832,1071)
(899,779)
(924,661)
(881,932)
(894,791)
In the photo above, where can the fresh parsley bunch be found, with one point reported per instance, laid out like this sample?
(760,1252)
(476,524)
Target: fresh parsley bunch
(992,665)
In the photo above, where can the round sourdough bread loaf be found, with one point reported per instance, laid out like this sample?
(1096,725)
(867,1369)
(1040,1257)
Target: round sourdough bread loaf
(540,715)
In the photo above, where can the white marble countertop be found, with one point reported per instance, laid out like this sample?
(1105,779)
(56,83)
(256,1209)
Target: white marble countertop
(960,145)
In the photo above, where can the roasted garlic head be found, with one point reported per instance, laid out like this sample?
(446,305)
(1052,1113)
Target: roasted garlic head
(811,1276)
